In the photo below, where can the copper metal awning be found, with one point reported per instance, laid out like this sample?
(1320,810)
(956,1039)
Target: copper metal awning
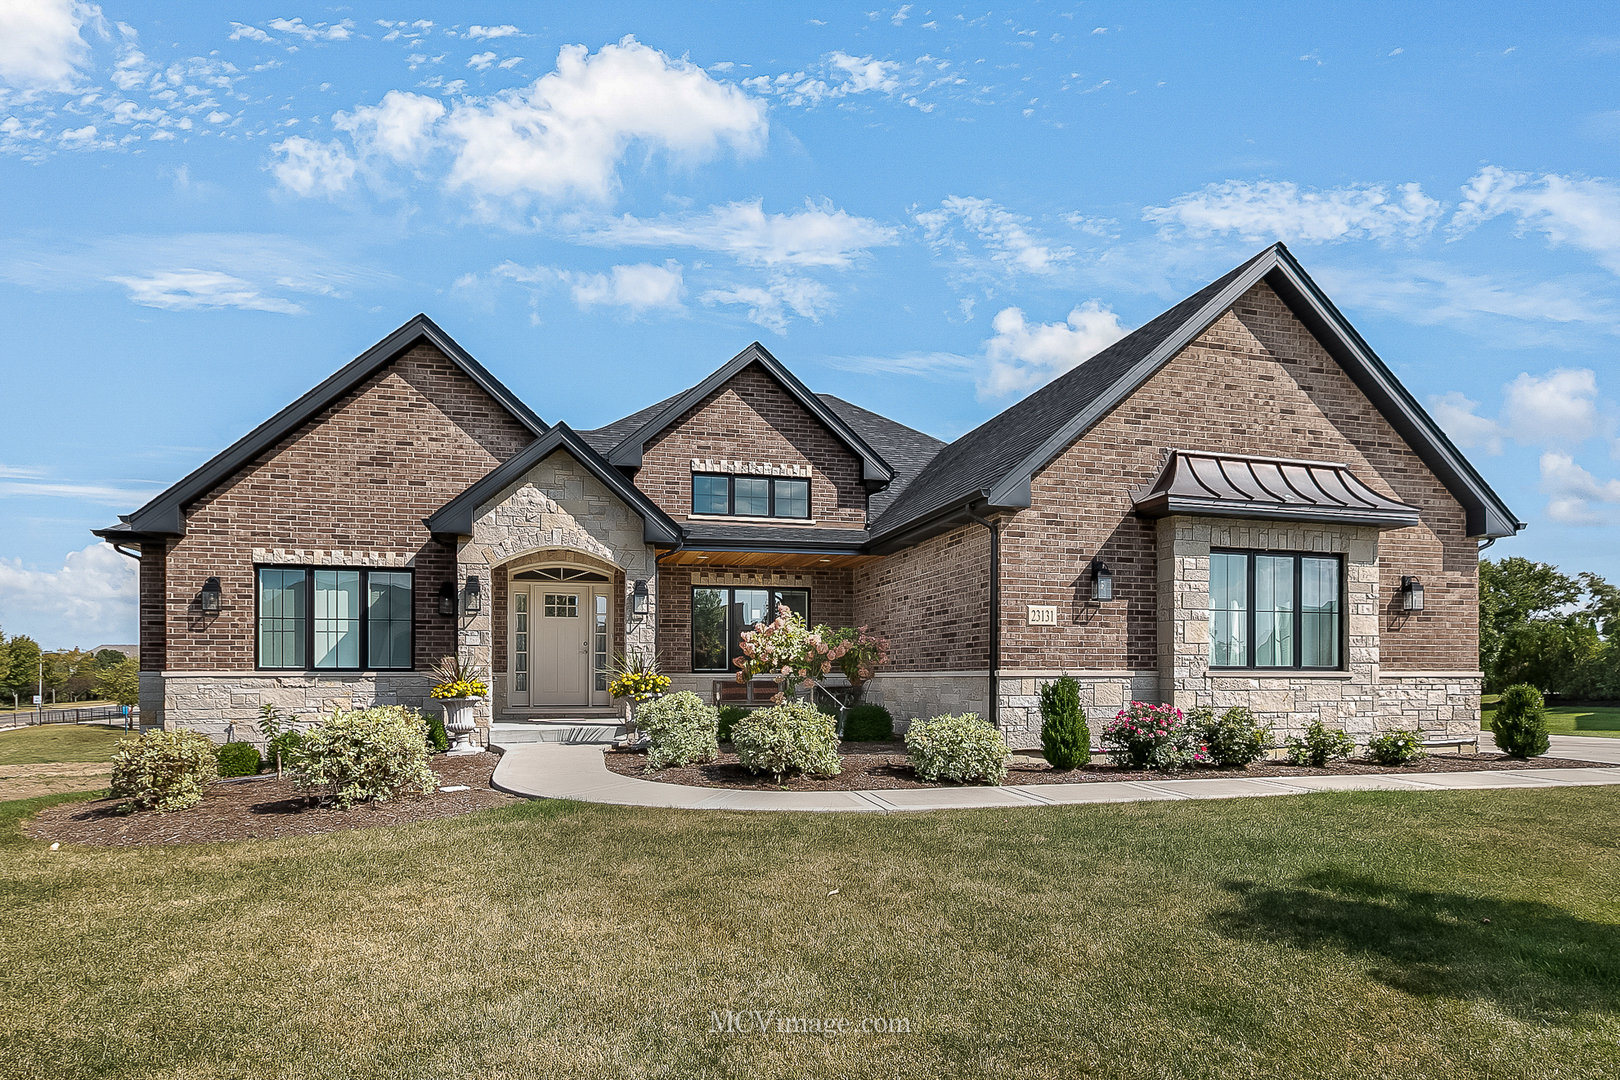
(1230,485)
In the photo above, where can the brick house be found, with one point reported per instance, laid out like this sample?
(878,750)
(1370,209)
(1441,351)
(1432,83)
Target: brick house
(1238,503)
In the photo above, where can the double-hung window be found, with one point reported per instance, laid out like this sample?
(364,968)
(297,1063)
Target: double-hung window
(1274,610)
(719,617)
(320,618)
(750,496)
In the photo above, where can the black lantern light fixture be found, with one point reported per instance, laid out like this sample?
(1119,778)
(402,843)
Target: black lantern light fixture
(208,599)
(638,598)
(447,598)
(1411,593)
(475,594)
(1102,581)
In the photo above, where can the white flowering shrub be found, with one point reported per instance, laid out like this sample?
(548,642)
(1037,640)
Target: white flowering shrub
(790,738)
(164,770)
(361,755)
(960,748)
(681,728)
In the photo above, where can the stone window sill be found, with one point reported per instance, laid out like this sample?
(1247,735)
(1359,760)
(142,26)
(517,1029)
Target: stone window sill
(1276,673)
(738,519)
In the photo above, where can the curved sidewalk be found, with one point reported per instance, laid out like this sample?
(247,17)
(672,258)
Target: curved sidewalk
(565,771)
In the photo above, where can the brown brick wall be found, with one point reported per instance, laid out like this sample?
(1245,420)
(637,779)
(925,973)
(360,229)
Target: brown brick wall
(832,601)
(359,477)
(153,632)
(931,601)
(751,417)
(1257,382)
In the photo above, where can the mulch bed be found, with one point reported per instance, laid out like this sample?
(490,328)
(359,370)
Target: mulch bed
(265,807)
(876,766)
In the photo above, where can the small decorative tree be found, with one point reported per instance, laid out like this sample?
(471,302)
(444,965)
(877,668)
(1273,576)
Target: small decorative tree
(1521,722)
(1065,738)
(864,653)
(787,649)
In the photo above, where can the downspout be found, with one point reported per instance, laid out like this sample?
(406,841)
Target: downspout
(995,612)
(127,554)
(1487,543)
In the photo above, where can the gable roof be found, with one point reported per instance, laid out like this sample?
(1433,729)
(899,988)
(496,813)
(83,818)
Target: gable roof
(907,450)
(164,515)
(455,518)
(1241,485)
(993,465)
(626,453)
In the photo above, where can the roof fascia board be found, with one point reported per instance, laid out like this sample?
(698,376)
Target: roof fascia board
(455,518)
(164,514)
(627,454)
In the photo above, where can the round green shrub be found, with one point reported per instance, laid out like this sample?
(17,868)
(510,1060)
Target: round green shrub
(438,739)
(1235,740)
(868,723)
(1318,746)
(1521,722)
(238,759)
(164,770)
(682,729)
(1396,747)
(962,748)
(1065,738)
(790,738)
(364,755)
(729,715)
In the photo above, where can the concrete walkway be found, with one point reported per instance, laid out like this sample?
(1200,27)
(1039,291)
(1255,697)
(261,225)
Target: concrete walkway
(564,771)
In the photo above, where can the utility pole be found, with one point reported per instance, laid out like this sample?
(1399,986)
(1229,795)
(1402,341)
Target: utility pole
(39,698)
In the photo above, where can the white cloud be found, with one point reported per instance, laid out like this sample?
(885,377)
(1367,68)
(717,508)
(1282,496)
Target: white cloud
(194,290)
(863,73)
(318,32)
(770,305)
(308,167)
(1584,213)
(1004,235)
(1023,356)
(1558,407)
(244,32)
(1571,491)
(902,15)
(1430,293)
(90,600)
(1279,210)
(482,61)
(840,75)
(41,47)
(400,127)
(921,365)
(567,132)
(639,288)
(1454,412)
(814,236)
(504,30)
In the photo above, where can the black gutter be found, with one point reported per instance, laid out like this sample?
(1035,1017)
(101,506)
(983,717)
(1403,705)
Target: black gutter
(995,612)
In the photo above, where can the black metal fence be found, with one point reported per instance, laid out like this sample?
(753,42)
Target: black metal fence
(91,713)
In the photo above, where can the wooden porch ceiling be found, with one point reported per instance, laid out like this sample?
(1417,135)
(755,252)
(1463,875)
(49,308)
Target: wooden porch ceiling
(765,560)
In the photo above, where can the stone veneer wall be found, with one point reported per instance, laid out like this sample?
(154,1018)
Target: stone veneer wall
(225,704)
(1102,694)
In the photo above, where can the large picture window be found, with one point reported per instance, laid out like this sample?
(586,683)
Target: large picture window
(334,619)
(750,496)
(1269,610)
(719,616)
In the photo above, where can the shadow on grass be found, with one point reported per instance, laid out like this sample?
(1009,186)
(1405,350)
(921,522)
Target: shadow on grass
(1528,958)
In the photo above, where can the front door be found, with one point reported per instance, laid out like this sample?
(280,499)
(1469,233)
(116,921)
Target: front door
(559,641)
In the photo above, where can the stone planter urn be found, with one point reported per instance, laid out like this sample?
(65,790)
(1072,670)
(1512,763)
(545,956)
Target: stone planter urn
(460,721)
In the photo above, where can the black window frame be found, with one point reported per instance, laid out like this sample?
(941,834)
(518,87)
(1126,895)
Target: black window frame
(731,495)
(730,591)
(309,616)
(1250,645)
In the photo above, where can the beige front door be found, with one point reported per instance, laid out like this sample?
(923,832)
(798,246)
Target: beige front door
(559,637)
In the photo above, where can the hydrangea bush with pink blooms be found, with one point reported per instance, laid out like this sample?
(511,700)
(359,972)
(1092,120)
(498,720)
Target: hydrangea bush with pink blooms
(1144,736)
(864,653)
(788,649)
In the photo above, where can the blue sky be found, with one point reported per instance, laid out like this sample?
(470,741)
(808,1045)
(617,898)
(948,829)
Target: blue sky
(929,210)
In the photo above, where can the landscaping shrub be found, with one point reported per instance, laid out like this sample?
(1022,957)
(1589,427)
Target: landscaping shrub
(789,738)
(729,715)
(1319,746)
(1234,740)
(1396,747)
(1065,738)
(682,729)
(868,723)
(238,759)
(362,755)
(164,770)
(438,739)
(283,750)
(1144,736)
(961,748)
(1521,722)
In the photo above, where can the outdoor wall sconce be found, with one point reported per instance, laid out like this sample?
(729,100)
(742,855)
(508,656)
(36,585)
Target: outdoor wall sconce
(638,598)
(1411,593)
(447,599)
(208,599)
(475,594)
(1102,581)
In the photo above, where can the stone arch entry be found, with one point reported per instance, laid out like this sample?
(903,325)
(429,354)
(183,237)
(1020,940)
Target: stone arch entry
(561,628)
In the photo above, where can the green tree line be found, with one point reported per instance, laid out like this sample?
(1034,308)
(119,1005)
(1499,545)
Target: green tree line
(1558,633)
(72,674)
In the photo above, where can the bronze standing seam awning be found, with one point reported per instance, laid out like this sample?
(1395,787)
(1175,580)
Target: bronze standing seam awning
(1234,485)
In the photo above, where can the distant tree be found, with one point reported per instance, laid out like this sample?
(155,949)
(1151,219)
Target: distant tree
(70,672)
(1604,606)
(121,683)
(107,658)
(1530,630)
(22,673)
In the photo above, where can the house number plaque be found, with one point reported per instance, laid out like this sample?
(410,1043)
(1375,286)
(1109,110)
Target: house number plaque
(1042,616)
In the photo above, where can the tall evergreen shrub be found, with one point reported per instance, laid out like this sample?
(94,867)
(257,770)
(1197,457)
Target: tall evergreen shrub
(1065,738)
(1521,722)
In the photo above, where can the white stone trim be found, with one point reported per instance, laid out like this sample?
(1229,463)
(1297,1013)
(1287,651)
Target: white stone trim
(1431,674)
(334,557)
(1082,673)
(297,673)
(932,675)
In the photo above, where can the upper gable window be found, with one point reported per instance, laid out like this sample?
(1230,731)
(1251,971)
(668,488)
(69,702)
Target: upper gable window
(750,496)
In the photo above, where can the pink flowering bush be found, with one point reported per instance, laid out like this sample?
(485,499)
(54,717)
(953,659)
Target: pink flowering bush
(1144,736)
(787,648)
(864,652)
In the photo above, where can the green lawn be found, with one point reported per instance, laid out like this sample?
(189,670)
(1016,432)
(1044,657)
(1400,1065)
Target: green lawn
(1454,934)
(59,742)
(1565,719)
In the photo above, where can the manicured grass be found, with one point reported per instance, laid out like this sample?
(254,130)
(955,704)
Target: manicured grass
(1454,934)
(59,742)
(1564,719)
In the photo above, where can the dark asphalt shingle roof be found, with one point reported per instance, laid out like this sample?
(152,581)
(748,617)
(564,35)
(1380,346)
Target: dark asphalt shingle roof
(701,532)
(608,436)
(907,450)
